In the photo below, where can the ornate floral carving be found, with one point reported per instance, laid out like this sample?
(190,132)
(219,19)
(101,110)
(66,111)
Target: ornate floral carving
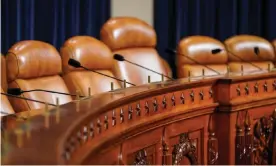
(185,148)
(141,158)
(263,143)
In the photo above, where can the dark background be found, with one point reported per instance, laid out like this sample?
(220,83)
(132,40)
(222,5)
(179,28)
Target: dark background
(54,21)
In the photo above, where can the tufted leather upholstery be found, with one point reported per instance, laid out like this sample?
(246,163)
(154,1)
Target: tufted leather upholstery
(35,65)
(243,46)
(92,54)
(199,48)
(4,84)
(6,107)
(136,41)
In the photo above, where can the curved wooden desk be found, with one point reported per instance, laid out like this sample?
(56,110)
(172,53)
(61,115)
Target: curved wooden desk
(201,121)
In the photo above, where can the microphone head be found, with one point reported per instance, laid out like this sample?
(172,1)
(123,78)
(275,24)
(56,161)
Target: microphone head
(14,91)
(118,57)
(216,51)
(256,50)
(170,51)
(74,63)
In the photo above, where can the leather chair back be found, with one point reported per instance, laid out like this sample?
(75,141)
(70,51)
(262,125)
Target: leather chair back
(94,55)
(6,107)
(274,44)
(136,41)
(199,48)
(35,65)
(243,46)
(4,83)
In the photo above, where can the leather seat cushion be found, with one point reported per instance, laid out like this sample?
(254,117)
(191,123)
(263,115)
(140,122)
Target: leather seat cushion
(147,57)
(53,83)
(236,66)
(197,70)
(5,105)
(81,80)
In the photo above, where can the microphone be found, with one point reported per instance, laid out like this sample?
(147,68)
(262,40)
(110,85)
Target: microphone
(24,98)
(77,64)
(256,50)
(171,51)
(18,91)
(119,57)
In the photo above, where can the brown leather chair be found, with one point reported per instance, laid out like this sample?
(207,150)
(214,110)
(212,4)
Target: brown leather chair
(199,48)
(93,54)
(136,41)
(6,107)
(4,84)
(35,65)
(243,46)
(274,44)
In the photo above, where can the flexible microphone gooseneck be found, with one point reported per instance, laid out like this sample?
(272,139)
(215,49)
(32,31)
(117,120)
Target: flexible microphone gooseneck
(171,51)
(256,50)
(18,91)
(119,57)
(24,98)
(77,64)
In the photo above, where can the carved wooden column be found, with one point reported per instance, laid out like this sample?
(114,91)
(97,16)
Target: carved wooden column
(248,140)
(165,149)
(239,148)
(212,144)
(274,135)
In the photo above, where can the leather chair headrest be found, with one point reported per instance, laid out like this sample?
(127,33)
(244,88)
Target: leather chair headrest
(127,32)
(90,52)
(200,49)
(243,46)
(274,45)
(32,59)
(4,83)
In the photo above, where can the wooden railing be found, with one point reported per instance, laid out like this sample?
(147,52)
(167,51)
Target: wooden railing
(220,120)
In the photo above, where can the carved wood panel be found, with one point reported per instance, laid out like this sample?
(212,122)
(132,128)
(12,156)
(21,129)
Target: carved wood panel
(255,146)
(264,135)
(144,149)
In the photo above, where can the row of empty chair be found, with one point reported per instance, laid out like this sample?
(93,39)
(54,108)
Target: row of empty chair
(38,65)
(234,55)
